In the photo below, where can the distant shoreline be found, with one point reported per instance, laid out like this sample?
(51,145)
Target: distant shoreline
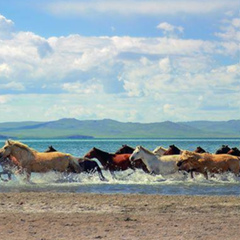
(107,128)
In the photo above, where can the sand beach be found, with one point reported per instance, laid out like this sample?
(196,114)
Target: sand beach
(51,215)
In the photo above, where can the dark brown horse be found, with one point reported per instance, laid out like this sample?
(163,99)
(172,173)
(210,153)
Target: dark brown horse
(173,150)
(50,149)
(234,151)
(111,161)
(138,163)
(199,150)
(125,149)
(87,165)
(223,150)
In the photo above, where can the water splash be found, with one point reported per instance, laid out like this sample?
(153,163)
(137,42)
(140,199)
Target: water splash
(126,182)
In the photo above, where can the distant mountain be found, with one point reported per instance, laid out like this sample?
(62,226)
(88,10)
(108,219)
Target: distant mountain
(107,128)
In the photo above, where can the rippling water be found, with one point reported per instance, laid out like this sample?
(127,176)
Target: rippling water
(127,181)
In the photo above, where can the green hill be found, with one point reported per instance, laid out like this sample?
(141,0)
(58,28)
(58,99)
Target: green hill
(107,128)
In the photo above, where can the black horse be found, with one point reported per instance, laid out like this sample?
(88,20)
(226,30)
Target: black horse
(86,165)
(234,151)
(223,150)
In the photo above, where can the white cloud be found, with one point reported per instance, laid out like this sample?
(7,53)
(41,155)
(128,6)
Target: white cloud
(174,79)
(16,86)
(230,31)
(6,28)
(170,30)
(130,7)
(5,70)
(90,87)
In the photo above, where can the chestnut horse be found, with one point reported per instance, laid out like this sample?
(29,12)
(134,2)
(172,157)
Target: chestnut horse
(224,149)
(138,163)
(31,160)
(199,150)
(234,151)
(173,150)
(208,163)
(111,161)
(86,165)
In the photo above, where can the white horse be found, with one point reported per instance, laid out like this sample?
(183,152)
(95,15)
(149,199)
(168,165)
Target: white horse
(159,151)
(156,164)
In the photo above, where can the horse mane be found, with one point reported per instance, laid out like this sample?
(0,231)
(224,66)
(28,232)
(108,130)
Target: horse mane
(22,146)
(160,147)
(145,149)
(99,150)
(190,154)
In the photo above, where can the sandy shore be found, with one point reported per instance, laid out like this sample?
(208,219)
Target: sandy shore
(93,216)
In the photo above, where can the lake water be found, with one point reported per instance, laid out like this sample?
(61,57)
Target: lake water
(127,182)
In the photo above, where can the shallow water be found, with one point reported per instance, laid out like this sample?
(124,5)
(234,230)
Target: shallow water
(128,181)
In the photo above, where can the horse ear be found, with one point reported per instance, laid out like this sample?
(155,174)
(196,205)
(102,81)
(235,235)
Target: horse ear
(9,142)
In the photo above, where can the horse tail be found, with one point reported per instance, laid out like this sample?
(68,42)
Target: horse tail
(73,163)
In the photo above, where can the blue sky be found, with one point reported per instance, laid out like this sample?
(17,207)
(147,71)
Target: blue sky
(175,60)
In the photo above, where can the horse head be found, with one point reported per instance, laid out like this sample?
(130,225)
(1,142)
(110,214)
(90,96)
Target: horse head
(50,149)
(223,149)
(188,161)
(199,150)
(234,151)
(124,149)
(173,150)
(6,150)
(93,153)
(136,154)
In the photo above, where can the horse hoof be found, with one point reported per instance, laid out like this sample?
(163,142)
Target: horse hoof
(104,180)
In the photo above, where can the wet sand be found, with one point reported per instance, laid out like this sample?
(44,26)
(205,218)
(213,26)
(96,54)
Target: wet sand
(94,216)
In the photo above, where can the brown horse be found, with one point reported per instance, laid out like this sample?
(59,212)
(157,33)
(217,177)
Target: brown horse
(138,163)
(30,160)
(110,161)
(208,163)
(234,151)
(173,150)
(199,150)
(86,165)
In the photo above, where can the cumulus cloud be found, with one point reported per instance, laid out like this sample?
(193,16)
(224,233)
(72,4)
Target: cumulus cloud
(90,87)
(170,30)
(230,30)
(6,28)
(174,78)
(16,86)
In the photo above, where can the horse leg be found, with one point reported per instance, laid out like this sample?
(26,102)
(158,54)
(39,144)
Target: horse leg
(192,174)
(5,180)
(205,175)
(9,175)
(28,175)
(101,177)
(113,174)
